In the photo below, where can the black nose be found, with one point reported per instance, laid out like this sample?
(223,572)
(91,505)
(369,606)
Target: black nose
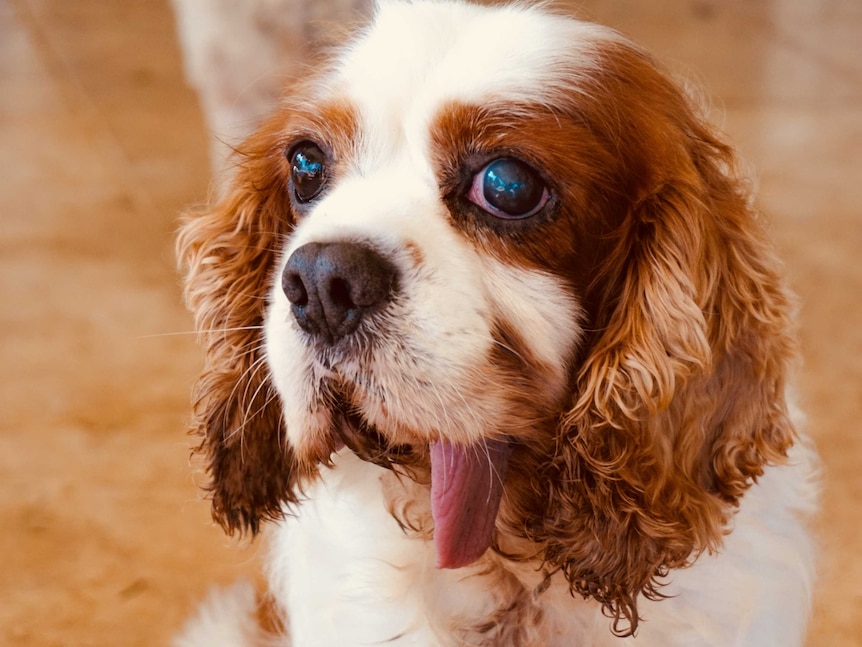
(332,286)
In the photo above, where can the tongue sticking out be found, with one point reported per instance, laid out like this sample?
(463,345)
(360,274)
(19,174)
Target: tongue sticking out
(466,488)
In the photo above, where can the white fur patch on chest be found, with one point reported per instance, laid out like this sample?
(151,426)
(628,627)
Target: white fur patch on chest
(350,575)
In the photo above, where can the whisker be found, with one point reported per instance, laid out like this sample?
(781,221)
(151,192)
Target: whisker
(245,378)
(508,348)
(182,333)
(249,375)
(248,414)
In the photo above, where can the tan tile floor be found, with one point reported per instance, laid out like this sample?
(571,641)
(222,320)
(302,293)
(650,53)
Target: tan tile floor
(104,540)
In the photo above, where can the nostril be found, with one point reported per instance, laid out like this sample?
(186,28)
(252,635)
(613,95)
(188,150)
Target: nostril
(339,293)
(294,288)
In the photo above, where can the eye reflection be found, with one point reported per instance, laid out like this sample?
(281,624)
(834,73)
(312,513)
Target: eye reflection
(308,171)
(508,188)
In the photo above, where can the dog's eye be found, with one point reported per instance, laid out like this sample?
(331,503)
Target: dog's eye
(308,172)
(508,188)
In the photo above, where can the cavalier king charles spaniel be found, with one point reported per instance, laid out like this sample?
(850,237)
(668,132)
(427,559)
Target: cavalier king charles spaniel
(497,345)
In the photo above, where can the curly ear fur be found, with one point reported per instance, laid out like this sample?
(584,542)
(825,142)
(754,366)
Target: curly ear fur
(679,403)
(228,254)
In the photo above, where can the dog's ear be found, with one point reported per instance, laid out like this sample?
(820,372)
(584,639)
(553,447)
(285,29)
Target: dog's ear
(679,402)
(228,254)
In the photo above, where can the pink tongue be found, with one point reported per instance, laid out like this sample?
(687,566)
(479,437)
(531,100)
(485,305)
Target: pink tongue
(466,488)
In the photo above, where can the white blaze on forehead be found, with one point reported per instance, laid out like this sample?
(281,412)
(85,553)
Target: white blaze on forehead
(424,53)
(390,202)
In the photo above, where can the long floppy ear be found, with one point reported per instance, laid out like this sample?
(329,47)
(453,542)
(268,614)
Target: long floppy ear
(679,403)
(228,254)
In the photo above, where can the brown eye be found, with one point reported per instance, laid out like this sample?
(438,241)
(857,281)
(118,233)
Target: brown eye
(308,172)
(508,188)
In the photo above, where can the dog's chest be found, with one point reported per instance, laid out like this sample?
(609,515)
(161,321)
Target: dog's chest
(347,574)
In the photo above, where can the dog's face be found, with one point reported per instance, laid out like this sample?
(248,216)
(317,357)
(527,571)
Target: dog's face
(428,166)
(426,294)
(495,246)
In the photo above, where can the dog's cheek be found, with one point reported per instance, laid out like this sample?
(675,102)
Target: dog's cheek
(542,315)
(292,370)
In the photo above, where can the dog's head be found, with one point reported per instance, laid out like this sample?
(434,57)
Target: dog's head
(498,249)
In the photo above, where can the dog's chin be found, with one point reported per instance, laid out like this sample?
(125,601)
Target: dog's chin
(373,445)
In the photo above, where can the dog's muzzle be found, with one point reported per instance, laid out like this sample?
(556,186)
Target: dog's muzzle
(333,286)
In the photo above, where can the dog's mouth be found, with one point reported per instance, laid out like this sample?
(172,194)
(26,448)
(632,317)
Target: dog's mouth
(364,440)
(466,482)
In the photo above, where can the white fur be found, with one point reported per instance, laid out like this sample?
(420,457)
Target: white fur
(226,618)
(350,576)
(340,564)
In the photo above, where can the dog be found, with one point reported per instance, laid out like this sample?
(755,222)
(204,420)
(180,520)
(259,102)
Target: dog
(499,352)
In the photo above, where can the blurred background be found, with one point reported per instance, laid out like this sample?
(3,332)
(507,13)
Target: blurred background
(108,130)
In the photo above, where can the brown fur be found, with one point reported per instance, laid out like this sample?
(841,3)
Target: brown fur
(228,254)
(677,395)
(679,402)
